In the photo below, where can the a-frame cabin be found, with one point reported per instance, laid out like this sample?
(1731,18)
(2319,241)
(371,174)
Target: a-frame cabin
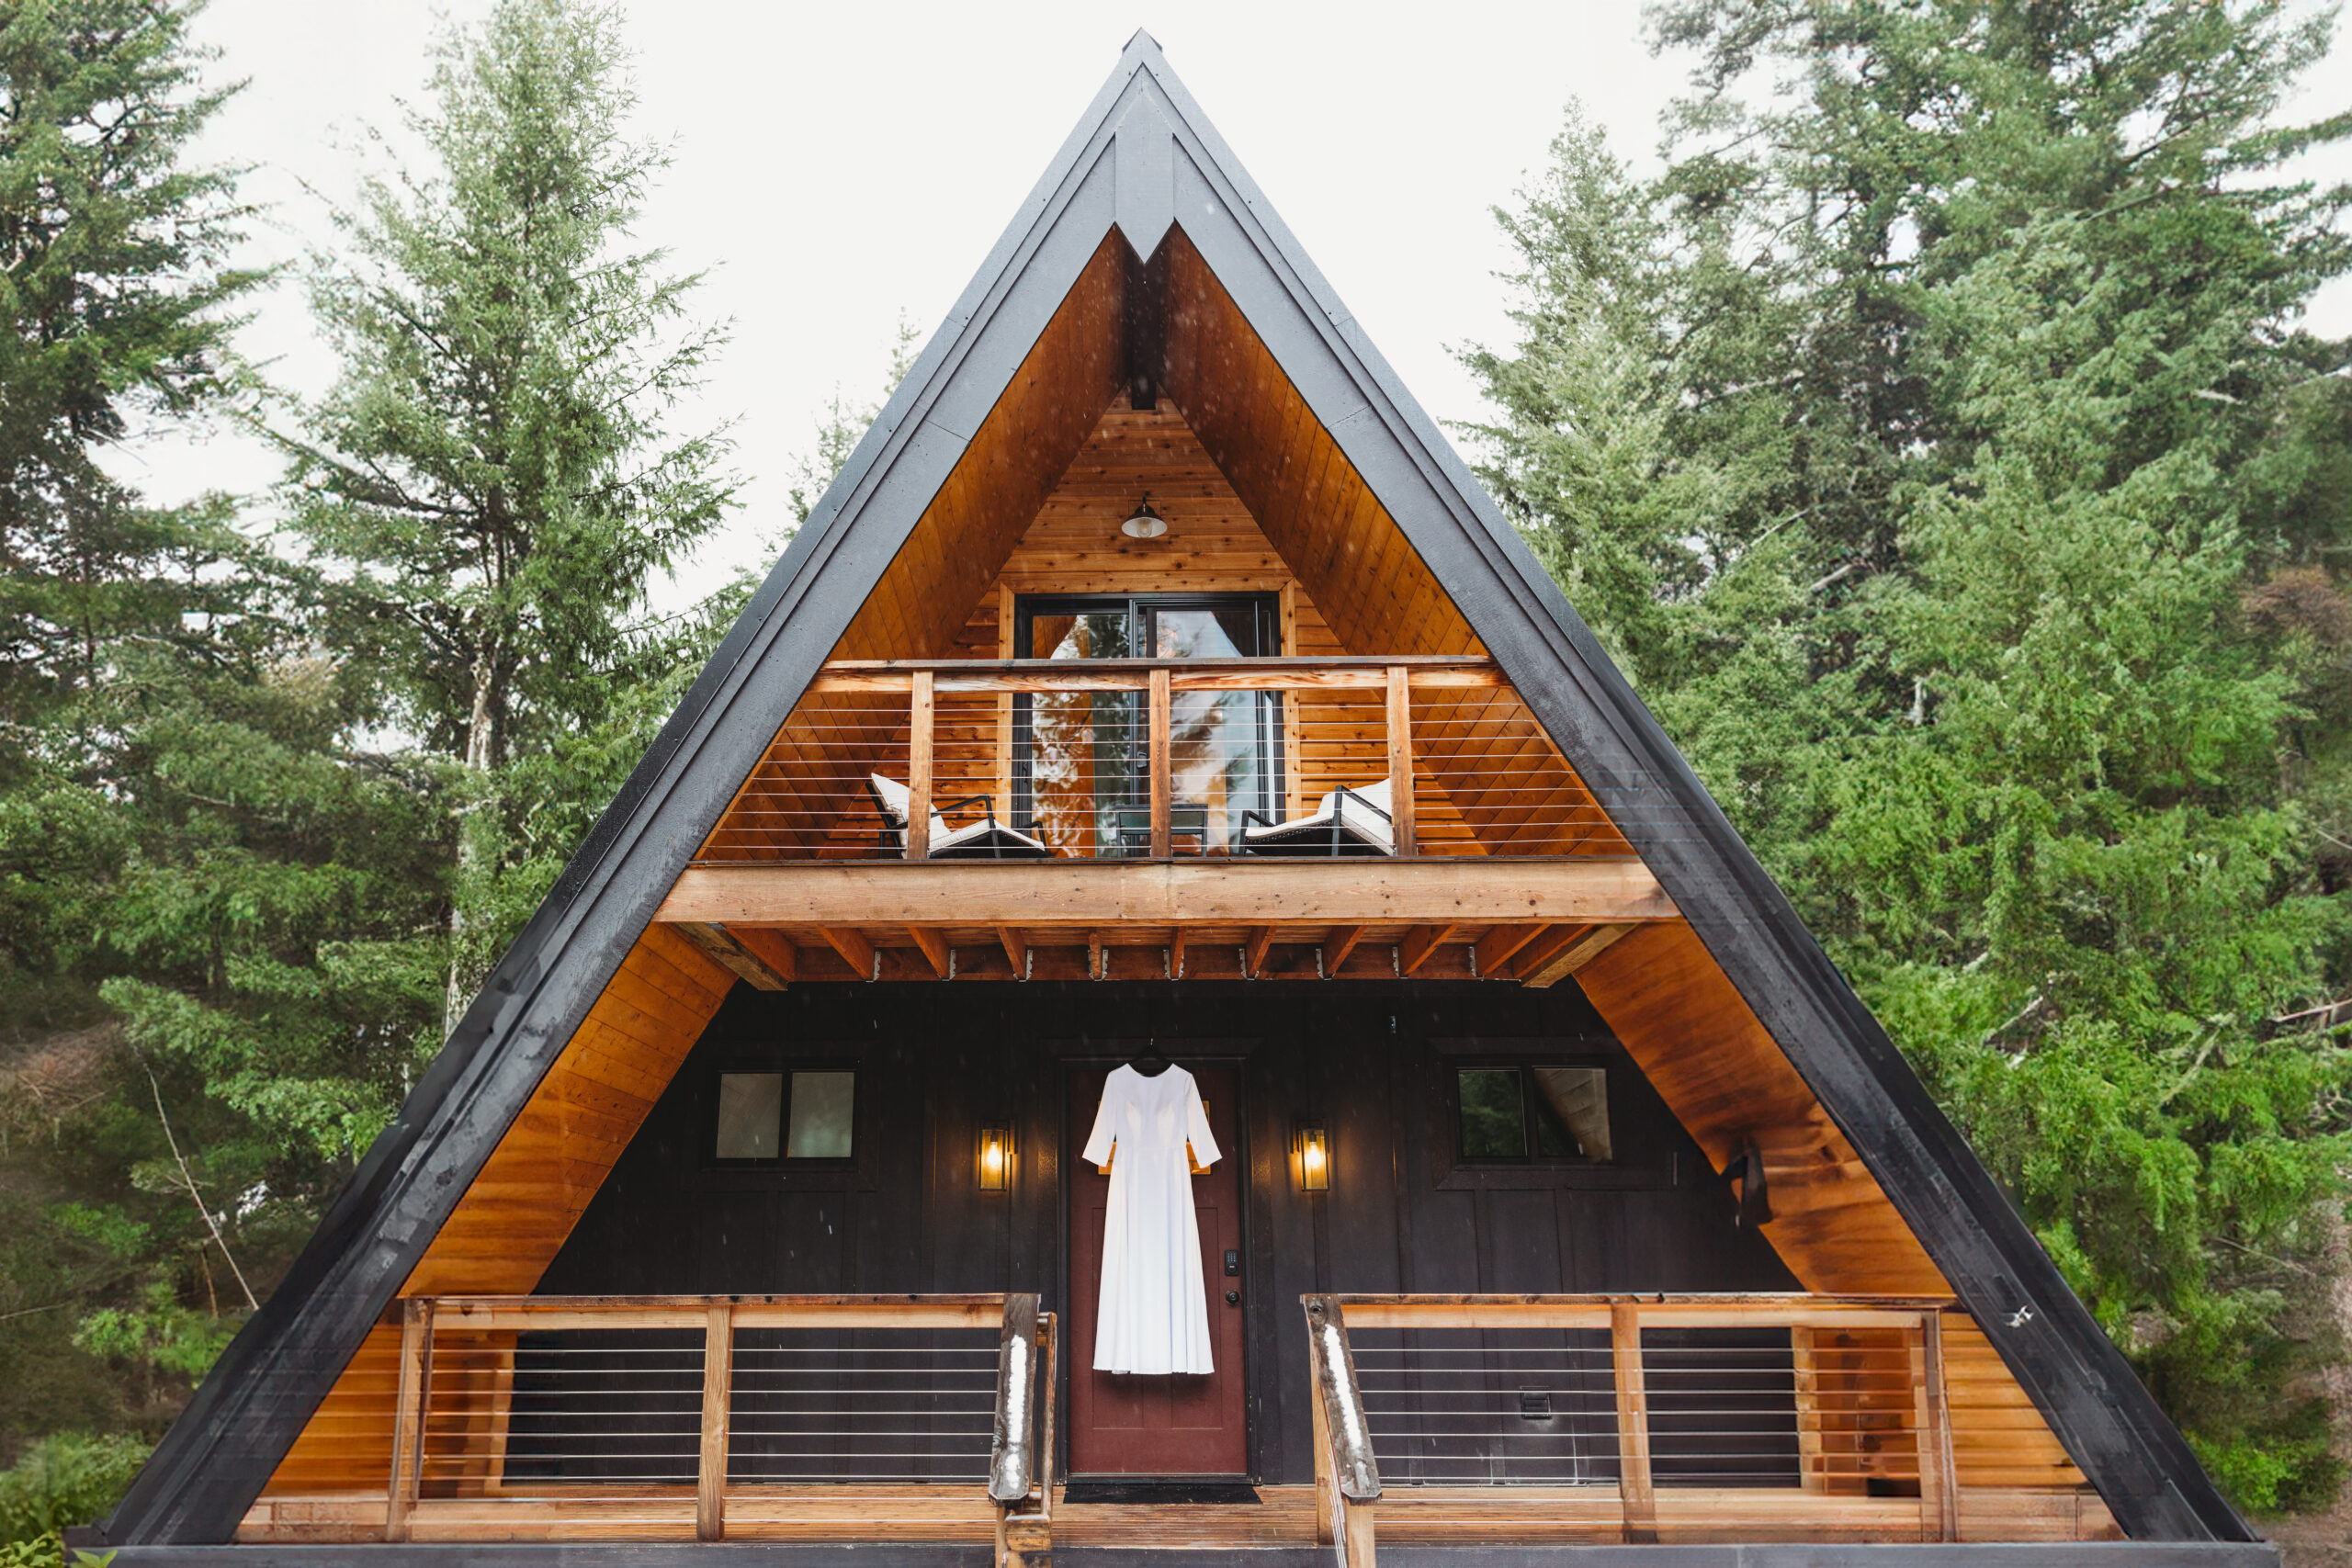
(1568,1197)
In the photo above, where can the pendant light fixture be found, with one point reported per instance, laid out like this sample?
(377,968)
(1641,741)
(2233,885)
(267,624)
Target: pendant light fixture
(1144,523)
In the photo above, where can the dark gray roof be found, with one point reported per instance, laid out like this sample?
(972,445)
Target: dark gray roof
(1143,156)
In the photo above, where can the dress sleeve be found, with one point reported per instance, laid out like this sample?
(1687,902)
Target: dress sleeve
(1106,1127)
(1196,1128)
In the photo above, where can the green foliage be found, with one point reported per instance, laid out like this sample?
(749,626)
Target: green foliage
(1936,443)
(491,483)
(63,1482)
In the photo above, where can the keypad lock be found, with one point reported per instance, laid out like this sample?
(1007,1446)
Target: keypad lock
(1232,1263)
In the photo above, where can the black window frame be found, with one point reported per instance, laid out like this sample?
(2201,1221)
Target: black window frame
(706,1123)
(1531,1107)
(1138,607)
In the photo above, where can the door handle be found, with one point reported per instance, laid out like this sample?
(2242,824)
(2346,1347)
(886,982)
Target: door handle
(1233,1298)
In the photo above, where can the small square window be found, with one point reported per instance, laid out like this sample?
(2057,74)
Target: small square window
(751,1112)
(824,1110)
(1533,1113)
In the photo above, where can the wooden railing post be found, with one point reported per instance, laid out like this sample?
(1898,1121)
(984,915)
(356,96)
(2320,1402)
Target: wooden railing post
(919,733)
(1939,1489)
(718,1388)
(1633,1490)
(1163,787)
(407,1415)
(1400,758)
(1347,1475)
(1023,1526)
(1812,1468)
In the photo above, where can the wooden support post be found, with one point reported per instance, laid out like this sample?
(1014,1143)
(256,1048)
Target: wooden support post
(1343,1436)
(1400,759)
(1812,1468)
(717,1386)
(1327,1491)
(1003,799)
(407,1415)
(502,1414)
(1294,773)
(1163,783)
(1640,1503)
(918,728)
(1939,1487)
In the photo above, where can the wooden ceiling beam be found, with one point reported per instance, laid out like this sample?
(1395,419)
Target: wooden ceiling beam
(1341,942)
(934,948)
(1421,941)
(1575,956)
(855,950)
(734,955)
(1016,951)
(1253,955)
(1124,894)
(1554,940)
(1497,947)
(772,948)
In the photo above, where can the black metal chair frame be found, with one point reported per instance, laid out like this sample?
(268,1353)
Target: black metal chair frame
(890,837)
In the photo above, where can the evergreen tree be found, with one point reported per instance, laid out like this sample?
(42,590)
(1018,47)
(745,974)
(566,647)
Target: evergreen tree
(194,872)
(492,476)
(2005,589)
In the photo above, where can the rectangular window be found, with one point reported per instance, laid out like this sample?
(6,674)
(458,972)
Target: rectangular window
(824,1108)
(1533,1113)
(803,1115)
(750,1109)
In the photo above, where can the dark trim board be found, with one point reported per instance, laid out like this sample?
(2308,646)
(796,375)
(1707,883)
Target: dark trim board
(760,1554)
(1143,157)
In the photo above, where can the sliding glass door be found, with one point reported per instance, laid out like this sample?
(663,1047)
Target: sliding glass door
(1081,757)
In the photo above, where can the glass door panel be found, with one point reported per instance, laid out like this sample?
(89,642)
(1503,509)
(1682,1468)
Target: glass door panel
(1083,756)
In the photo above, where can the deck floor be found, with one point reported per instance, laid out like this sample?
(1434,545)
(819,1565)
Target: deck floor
(1285,1517)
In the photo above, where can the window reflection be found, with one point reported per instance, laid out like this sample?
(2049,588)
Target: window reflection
(1086,753)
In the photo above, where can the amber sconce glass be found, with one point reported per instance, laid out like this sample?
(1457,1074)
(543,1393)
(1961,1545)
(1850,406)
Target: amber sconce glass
(996,1159)
(1311,1149)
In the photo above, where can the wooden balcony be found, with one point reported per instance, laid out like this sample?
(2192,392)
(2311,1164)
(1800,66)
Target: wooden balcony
(1039,818)
(1495,1419)
(1154,759)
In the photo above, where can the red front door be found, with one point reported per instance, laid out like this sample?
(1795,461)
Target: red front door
(1124,1425)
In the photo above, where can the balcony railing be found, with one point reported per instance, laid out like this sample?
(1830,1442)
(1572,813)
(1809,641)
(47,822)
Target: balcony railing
(1497,1420)
(532,1417)
(1796,1416)
(1135,759)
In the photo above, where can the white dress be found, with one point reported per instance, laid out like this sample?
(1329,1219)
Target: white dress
(1153,1313)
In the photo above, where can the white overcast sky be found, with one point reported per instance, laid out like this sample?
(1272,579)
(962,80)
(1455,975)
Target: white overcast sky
(839,164)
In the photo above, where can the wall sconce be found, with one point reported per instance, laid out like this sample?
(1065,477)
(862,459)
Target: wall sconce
(996,1159)
(1313,1149)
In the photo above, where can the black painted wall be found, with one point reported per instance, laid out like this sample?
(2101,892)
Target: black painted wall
(1366,1058)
